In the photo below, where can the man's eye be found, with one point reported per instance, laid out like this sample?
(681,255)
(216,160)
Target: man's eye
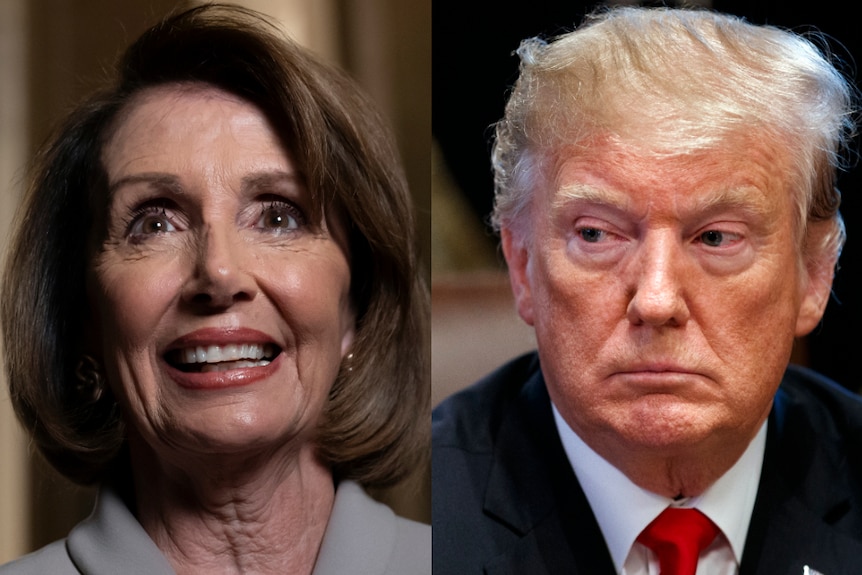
(712,238)
(591,235)
(279,217)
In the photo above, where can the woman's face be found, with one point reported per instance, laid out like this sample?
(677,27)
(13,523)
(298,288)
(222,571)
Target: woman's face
(223,311)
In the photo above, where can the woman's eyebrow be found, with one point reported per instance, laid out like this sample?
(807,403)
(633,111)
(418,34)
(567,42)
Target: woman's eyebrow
(153,179)
(172,182)
(270,179)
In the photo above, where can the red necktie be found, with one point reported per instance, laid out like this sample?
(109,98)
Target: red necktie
(677,536)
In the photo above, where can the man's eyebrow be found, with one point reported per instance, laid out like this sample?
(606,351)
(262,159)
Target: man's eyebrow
(580,192)
(747,198)
(153,179)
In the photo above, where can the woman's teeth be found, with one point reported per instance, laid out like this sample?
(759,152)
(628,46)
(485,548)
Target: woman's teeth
(226,366)
(224,357)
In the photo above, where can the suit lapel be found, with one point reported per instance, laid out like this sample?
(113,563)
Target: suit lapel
(533,491)
(796,539)
(804,515)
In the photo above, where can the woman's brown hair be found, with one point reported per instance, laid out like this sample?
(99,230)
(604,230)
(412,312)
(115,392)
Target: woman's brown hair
(376,425)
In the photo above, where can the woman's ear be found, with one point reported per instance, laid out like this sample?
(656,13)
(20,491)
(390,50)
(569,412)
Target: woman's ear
(349,333)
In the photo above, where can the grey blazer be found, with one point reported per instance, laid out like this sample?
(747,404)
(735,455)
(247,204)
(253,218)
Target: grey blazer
(363,537)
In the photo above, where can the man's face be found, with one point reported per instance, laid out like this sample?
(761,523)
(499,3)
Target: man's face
(665,294)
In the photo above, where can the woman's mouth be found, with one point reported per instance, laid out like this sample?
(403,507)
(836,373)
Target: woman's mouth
(214,358)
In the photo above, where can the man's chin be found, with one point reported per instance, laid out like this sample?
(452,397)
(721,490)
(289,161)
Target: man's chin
(667,424)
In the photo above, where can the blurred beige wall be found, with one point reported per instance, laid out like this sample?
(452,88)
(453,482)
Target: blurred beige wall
(14,519)
(53,52)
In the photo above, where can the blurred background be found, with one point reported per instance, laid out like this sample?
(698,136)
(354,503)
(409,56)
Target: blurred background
(53,52)
(474,325)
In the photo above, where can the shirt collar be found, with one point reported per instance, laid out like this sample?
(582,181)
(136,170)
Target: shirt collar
(623,509)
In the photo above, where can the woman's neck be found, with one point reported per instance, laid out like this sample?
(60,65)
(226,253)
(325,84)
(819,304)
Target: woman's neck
(262,514)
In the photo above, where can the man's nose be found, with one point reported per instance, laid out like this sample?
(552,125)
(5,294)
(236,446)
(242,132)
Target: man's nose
(658,294)
(220,274)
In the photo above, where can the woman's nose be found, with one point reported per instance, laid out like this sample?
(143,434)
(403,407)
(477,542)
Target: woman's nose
(220,276)
(658,285)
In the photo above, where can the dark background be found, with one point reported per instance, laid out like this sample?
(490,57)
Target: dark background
(474,66)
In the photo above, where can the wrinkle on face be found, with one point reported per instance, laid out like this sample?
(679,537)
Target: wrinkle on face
(213,164)
(652,340)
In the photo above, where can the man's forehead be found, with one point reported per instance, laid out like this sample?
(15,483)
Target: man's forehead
(744,173)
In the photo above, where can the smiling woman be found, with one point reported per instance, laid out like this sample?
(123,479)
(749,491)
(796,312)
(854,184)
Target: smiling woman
(249,352)
(207,240)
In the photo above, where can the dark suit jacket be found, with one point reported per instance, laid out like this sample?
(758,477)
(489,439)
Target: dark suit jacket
(506,500)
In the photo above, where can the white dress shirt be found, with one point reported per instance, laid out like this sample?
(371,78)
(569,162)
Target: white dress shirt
(623,509)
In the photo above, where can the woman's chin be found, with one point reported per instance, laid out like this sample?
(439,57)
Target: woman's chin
(218,435)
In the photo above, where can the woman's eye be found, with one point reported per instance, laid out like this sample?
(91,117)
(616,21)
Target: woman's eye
(279,217)
(151,221)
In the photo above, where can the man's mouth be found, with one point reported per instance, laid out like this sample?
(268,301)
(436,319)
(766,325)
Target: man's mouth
(211,358)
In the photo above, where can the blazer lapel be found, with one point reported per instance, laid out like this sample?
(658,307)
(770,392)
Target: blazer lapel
(804,515)
(112,541)
(533,491)
(796,540)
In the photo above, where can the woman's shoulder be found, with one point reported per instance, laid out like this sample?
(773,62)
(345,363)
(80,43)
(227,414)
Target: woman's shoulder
(411,552)
(109,541)
(53,559)
(366,537)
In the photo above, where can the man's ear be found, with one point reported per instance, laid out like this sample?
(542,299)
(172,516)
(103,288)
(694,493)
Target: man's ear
(817,279)
(518,259)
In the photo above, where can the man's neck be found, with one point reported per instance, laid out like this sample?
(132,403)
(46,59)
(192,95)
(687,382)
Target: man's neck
(622,508)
